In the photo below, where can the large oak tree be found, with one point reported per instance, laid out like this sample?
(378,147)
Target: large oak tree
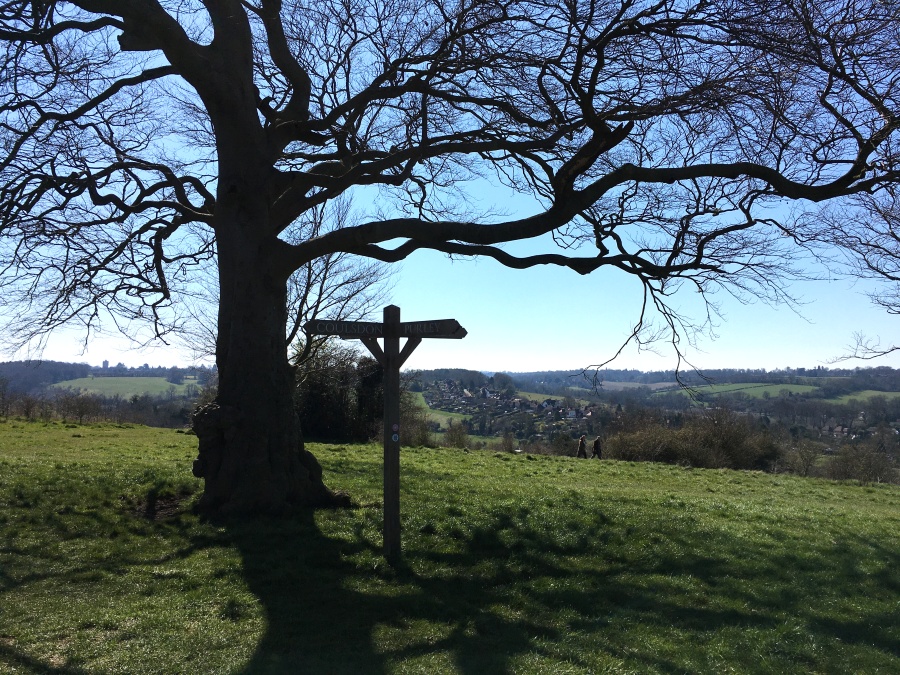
(142,138)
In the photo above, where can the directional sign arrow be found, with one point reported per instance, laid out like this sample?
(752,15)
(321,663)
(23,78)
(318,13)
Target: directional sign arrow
(440,328)
(345,329)
(349,330)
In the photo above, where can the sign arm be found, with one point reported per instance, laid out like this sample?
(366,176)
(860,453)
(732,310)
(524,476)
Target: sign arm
(408,348)
(373,346)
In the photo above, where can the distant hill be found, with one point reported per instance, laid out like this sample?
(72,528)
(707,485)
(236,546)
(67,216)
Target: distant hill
(558,381)
(32,376)
(124,386)
(469,378)
(833,382)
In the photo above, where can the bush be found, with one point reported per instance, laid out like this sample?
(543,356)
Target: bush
(801,458)
(651,444)
(457,435)
(414,428)
(717,440)
(863,463)
(725,440)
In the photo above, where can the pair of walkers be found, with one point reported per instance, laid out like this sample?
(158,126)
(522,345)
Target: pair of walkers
(582,448)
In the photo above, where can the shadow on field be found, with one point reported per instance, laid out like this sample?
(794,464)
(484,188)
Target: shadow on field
(315,622)
(318,622)
(462,616)
(512,590)
(26,664)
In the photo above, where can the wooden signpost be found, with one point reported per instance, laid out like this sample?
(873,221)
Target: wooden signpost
(391,358)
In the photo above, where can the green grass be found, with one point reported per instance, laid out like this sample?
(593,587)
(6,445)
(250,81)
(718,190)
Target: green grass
(512,564)
(752,389)
(123,386)
(865,395)
(574,392)
(530,396)
(758,390)
(439,416)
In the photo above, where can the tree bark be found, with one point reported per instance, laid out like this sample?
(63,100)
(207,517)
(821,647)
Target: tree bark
(251,452)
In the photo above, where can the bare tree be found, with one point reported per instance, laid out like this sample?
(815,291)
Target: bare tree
(864,233)
(140,138)
(336,287)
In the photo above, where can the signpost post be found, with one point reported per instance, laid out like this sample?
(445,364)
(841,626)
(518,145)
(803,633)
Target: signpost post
(391,358)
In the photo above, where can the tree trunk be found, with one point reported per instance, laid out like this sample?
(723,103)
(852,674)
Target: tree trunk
(251,452)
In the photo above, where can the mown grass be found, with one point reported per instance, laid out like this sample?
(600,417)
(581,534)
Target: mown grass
(865,395)
(751,389)
(574,392)
(512,563)
(759,390)
(123,386)
(439,416)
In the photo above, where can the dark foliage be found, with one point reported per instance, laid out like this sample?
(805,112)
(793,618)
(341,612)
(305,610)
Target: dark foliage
(339,397)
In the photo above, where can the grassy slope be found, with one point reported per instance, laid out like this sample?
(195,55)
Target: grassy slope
(512,564)
(123,386)
(439,416)
(753,389)
(758,390)
(865,395)
(540,398)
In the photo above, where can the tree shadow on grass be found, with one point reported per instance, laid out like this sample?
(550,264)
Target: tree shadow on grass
(324,612)
(486,592)
(26,664)
(458,611)
(315,623)
(510,591)
(73,549)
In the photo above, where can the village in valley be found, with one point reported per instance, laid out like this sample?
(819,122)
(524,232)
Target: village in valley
(495,407)
(528,417)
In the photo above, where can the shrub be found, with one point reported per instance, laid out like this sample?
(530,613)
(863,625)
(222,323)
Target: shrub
(717,440)
(725,440)
(864,463)
(508,442)
(801,458)
(563,445)
(415,431)
(457,435)
(651,444)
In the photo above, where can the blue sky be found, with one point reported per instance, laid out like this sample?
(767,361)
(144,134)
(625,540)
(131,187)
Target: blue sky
(554,319)
(521,320)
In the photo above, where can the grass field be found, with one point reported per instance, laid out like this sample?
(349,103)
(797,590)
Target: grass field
(574,392)
(865,395)
(123,386)
(530,396)
(439,416)
(512,564)
(752,389)
(757,390)
(609,385)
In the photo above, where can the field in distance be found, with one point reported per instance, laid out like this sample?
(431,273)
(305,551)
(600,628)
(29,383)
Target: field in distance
(760,390)
(124,386)
(752,389)
(865,395)
(605,385)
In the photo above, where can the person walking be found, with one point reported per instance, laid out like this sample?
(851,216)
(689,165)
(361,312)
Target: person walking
(596,448)
(582,448)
